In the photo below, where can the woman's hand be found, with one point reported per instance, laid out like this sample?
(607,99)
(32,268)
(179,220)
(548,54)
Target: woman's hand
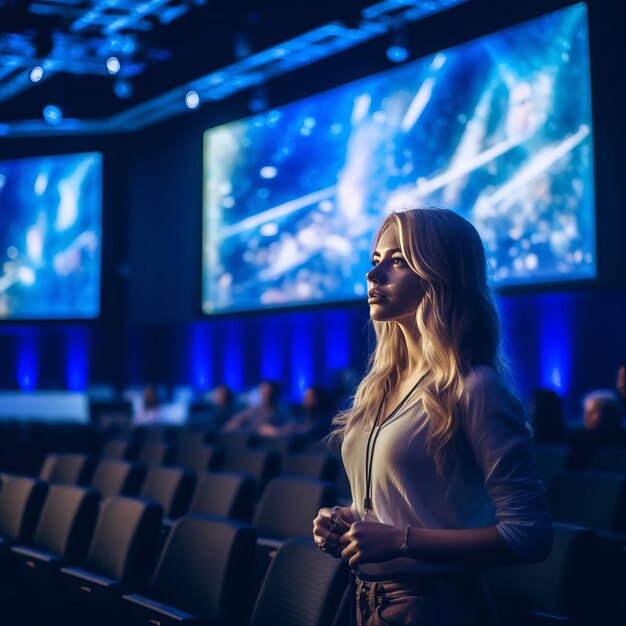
(371,542)
(322,534)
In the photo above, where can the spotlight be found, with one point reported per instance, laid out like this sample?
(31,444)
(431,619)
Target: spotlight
(113,65)
(36,74)
(52,114)
(398,50)
(192,100)
(397,54)
(122,88)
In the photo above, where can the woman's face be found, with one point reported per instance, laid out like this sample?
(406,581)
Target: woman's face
(394,289)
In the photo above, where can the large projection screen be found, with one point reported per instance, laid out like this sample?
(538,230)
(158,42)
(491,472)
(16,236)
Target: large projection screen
(50,237)
(497,129)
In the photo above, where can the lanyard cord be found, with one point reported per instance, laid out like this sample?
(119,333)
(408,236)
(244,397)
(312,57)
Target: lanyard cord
(371,440)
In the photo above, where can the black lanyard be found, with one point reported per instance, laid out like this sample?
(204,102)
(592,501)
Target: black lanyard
(369,454)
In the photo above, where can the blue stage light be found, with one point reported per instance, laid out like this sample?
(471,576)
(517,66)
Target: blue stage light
(27,362)
(122,88)
(52,114)
(397,54)
(77,360)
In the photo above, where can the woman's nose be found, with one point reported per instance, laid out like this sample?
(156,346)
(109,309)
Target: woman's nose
(373,276)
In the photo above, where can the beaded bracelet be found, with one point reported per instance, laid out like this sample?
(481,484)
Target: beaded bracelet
(404,548)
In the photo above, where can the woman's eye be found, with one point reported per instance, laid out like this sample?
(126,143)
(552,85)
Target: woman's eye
(397,260)
(375,262)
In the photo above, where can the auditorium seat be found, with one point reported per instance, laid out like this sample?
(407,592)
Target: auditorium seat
(121,558)
(316,465)
(286,511)
(551,459)
(559,590)
(204,576)
(609,459)
(66,468)
(284,444)
(21,500)
(589,499)
(113,477)
(156,453)
(119,448)
(171,487)
(262,465)
(200,457)
(225,495)
(238,440)
(187,437)
(289,597)
(62,535)
(289,505)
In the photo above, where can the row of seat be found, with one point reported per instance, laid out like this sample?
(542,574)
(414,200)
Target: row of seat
(94,562)
(89,561)
(552,459)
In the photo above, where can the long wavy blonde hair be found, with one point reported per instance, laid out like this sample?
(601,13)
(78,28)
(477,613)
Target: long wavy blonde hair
(456,320)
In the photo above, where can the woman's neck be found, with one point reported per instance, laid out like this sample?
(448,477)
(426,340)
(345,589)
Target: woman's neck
(416,365)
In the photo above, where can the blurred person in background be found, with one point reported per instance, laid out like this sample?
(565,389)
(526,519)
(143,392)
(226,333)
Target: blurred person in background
(547,417)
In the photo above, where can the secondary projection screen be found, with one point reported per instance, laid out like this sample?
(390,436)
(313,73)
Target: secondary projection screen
(498,129)
(50,237)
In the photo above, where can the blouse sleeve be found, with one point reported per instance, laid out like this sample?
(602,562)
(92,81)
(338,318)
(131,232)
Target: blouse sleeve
(498,435)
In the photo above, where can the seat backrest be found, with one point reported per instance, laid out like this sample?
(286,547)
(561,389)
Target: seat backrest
(609,459)
(21,499)
(156,453)
(206,569)
(116,449)
(66,469)
(289,597)
(317,465)
(285,444)
(191,438)
(112,477)
(67,521)
(551,459)
(225,495)
(200,458)
(558,586)
(125,539)
(263,465)
(239,440)
(289,505)
(172,487)
(589,499)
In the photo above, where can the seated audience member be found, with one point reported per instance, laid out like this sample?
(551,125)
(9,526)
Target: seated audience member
(602,426)
(547,417)
(215,413)
(311,419)
(263,417)
(150,413)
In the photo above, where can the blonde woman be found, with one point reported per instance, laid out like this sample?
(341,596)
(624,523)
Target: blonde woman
(435,445)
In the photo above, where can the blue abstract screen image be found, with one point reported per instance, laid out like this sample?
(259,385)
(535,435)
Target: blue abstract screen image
(50,237)
(497,129)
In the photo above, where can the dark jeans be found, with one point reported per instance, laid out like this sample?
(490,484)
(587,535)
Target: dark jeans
(423,601)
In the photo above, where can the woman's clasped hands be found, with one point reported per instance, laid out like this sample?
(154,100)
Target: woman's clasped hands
(336,532)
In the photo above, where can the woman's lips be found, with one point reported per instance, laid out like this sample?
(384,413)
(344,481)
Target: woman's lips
(374,297)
